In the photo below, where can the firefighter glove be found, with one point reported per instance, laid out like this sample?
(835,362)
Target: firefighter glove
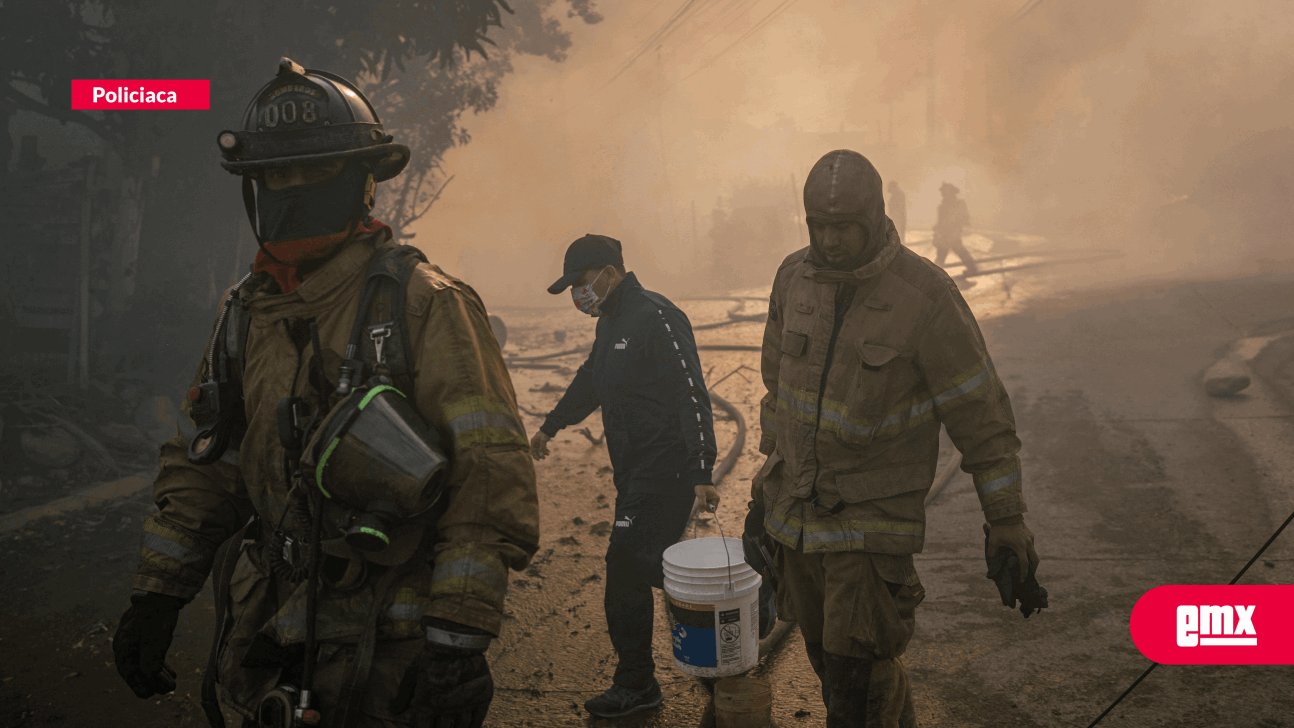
(142,639)
(1005,569)
(447,687)
(752,536)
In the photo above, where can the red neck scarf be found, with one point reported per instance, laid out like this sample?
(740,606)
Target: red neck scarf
(294,253)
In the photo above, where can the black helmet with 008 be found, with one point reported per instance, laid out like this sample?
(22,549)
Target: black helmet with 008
(304,116)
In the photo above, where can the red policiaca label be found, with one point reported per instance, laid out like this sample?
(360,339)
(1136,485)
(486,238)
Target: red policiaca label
(1251,624)
(169,94)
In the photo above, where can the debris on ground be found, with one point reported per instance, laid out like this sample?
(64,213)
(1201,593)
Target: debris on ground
(1225,386)
(50,447)
(588,434)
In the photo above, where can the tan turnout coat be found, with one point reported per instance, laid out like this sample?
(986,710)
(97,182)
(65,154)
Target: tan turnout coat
(909,356)
(489,522)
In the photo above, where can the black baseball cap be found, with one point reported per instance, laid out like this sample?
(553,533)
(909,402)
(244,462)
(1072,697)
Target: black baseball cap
(588,253)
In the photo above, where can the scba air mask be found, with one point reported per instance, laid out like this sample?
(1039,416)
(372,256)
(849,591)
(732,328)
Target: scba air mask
(374,454)
(586,300)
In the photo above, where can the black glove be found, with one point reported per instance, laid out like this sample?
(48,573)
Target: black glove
(1004,570)
(751,538)
(142,639)
(758,549)
(767,608)
(446,687)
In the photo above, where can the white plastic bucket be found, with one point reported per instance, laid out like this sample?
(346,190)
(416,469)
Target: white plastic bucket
(713,610)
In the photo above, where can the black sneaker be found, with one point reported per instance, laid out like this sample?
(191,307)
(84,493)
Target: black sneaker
(620,701)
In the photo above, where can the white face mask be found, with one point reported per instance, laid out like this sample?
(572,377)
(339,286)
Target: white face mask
(586,300)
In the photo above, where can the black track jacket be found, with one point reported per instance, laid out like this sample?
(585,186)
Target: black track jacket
(645,374)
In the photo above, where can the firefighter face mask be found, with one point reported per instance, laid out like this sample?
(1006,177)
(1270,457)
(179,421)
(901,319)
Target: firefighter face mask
(586,299)
(313,209)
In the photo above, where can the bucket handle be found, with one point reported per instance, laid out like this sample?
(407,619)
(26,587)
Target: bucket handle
(730,588)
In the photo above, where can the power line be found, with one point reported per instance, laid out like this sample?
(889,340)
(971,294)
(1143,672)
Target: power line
(671,25)
(770,17)
(1025,10)
(734,18)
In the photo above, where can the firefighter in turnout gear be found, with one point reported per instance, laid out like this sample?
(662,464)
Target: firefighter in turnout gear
(868,349)
(352,440)
(951,218)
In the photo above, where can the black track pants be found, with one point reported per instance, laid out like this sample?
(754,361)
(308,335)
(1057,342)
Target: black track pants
(646,524)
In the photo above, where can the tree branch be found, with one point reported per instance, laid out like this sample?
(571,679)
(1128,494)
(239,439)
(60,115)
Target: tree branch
(433,199)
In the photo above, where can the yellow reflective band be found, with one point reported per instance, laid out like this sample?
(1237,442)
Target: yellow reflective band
(968,385)
(472,571)
(482,421)
(375,532)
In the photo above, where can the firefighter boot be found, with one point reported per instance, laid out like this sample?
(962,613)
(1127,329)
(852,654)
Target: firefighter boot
(845,689)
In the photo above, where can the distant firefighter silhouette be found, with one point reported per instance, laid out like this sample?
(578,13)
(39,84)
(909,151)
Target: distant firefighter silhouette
(897,208)
(952,217)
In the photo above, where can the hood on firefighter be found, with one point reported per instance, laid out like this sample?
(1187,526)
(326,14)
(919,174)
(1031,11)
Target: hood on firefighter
(844,187)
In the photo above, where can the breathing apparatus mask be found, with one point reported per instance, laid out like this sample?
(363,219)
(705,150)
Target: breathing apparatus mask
(375,456)
(586,299)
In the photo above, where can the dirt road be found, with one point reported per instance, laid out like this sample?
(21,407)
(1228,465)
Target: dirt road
(1134,479)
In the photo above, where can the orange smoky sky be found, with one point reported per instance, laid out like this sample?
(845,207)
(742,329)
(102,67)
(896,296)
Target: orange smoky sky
(1105,123)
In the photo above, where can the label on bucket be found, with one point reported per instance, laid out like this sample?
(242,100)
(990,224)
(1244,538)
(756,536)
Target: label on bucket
(692,629)
(730,635)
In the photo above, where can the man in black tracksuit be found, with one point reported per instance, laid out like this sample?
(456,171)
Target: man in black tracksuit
(645,375)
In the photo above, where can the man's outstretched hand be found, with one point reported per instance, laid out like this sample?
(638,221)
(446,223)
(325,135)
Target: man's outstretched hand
(539,445)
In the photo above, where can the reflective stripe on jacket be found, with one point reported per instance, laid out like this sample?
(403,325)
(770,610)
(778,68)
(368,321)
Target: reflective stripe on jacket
(864,440)
(490,519)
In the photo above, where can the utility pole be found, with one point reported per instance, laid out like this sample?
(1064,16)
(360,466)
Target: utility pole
(695,239)
(662,196)
(81,343)
(934,129)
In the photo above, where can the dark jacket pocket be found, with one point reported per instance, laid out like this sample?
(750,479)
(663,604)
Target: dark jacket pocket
(877,484)
(772,469)
(866,397)
(794,344)
(874,356)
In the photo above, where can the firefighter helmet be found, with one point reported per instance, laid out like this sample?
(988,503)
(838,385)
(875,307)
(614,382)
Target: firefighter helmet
(306,115)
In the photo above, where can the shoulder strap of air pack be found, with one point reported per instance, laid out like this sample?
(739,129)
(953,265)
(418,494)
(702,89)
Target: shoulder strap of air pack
(216,404)
(381,313)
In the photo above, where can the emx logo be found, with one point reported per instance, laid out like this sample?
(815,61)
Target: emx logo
(1216,625)
(1223,624)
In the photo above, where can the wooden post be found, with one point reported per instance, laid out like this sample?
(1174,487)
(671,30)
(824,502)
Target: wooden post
(83,310)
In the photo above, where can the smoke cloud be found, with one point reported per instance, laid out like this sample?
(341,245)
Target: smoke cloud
(1154,127)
